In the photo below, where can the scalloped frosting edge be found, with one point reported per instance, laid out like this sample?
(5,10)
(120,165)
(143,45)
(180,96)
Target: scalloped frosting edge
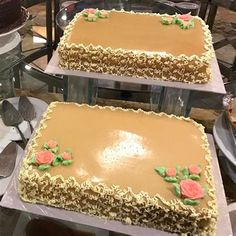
(31,180)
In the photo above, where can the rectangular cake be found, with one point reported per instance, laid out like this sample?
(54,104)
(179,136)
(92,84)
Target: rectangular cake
(141,168)
(162,47)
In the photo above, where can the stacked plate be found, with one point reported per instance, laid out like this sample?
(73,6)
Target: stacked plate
(224,133)
(231,111)
(8,134)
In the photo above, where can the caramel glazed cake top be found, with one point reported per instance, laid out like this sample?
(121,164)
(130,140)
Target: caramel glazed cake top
(121,148)
(128,31)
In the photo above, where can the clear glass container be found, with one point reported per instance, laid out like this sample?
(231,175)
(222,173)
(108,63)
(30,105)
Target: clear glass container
(7,84)
(10,54)
(175,101)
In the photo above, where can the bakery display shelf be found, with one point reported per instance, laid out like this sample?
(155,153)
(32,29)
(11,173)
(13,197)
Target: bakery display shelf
(11,200)
(215,85)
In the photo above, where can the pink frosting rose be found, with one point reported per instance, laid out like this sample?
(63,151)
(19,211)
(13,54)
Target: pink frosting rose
(191,189)
(66,155)
(91,10)
(52,144)
(185,17)
(171,172)
(44,157)
(194,170)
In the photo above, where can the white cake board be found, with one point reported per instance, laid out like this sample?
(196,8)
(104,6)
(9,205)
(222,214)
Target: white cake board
(11,200)
(215,85)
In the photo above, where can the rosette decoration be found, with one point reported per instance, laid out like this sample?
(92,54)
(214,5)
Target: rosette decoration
(92,15)
(50,156)
(185,21)
(185,182)
(168,20)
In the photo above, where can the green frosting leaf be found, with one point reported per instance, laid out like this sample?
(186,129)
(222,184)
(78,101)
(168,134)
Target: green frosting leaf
(177,189)
(55,150)
(44,167)
(161,171)
(45,146)
(171,179)
(94,19)
(33,160)
(185,173)
(59,158)
(166,20)
(67,162)
(55,162)
(175,20)
(190,202)
(188,25)
(194,177)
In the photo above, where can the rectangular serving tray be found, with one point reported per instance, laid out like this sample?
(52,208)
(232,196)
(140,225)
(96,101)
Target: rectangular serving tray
(215,85)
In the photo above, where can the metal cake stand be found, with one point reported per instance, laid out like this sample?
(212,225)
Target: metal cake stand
(165,96)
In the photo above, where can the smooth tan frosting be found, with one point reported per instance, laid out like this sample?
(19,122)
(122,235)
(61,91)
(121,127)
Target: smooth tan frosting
(139,32)
(123,148)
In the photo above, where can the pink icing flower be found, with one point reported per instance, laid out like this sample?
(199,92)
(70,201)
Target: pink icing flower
(185,17)
(191,189)
(91,10)
(66,155)
(171,172)
(194,170)
(52,144)
(44,157)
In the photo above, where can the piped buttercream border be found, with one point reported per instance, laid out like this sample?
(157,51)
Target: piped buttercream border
(137,63)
